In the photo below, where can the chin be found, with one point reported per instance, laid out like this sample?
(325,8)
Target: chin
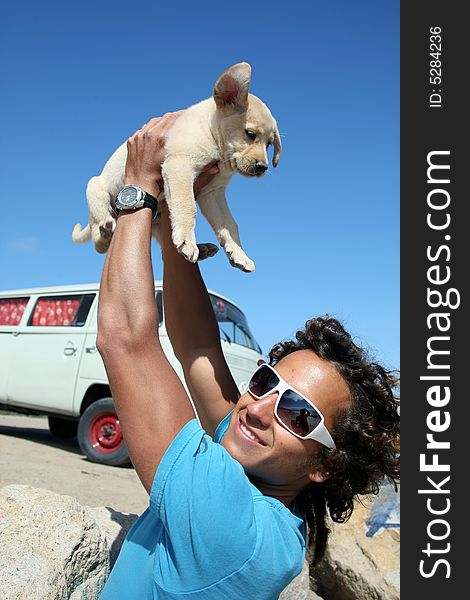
(245,174)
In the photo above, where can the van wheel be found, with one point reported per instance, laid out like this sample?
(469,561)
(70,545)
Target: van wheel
(62,428)
(100,434)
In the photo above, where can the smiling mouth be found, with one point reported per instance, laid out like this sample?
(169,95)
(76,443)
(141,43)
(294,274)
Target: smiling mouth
(247,433)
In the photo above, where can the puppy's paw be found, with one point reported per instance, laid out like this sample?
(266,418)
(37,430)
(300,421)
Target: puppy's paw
(246,265)
(207,251)
(189,251)
(102,245)
(240,260)
(186,245)
(107,228)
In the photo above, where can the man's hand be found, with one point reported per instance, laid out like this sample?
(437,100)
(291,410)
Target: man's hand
(146,154)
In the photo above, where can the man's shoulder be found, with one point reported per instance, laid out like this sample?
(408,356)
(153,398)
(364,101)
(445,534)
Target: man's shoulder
(278,524)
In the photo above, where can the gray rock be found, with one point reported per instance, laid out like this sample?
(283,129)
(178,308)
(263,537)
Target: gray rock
(299,588)
(52,548)
(362,561)
(113,526)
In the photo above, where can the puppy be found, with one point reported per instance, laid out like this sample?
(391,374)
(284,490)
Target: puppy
(233,128)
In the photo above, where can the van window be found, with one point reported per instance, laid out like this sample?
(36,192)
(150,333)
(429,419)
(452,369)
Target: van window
(159,300)
(233,325)
(11,310)
(61,311)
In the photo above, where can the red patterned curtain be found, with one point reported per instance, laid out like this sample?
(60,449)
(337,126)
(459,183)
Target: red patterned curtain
(55,312)
(11,310)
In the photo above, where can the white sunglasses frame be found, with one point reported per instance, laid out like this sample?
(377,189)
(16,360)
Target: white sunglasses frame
(319,434)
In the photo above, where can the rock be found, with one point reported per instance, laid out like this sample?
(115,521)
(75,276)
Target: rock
(114,527)
(52,548)
(362,561)
(299,588)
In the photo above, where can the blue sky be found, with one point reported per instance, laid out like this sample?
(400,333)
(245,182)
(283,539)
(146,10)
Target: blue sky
(322,228)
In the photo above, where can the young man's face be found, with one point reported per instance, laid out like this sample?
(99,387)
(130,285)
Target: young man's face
(277,460)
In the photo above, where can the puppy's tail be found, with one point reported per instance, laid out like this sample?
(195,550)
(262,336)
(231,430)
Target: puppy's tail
(81,236)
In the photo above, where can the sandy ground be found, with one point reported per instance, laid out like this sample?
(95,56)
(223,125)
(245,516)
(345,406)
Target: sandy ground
(30,455)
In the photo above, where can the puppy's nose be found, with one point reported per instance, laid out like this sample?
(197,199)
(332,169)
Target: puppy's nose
(261,168)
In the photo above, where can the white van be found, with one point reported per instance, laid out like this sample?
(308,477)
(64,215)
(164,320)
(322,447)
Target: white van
(49,363)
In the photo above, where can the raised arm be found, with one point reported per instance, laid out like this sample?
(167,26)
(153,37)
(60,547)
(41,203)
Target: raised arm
(150,400)
(194,334)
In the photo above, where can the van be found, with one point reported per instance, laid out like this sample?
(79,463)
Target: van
(49,363)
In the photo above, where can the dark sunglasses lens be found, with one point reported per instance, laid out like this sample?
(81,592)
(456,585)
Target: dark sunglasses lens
(297,414)
(263,381)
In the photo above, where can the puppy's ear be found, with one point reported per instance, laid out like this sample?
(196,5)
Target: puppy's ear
(231,89)
(277,147)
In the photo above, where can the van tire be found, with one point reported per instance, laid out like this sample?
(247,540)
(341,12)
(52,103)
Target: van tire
(62,428)
(100,435)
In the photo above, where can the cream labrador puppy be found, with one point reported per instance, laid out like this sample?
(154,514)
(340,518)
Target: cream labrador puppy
(233,128)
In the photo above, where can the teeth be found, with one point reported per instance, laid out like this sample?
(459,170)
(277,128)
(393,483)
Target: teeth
(248,432)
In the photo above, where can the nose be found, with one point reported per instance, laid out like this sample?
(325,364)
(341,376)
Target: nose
(260,168)
(262,411)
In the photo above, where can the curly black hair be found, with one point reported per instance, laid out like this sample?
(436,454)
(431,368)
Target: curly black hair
(366,434)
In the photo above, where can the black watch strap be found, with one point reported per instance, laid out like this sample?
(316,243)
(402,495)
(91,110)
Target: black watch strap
(151,202)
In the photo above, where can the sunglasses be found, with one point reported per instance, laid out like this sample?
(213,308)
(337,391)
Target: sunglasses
(293,411)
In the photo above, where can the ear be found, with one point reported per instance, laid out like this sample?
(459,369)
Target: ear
(277,147)
(231,89)
(318,476)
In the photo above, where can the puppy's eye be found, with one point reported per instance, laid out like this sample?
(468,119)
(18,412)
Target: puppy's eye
(251,134)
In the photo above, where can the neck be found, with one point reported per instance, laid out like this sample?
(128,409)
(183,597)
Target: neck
(285,493)
(214,127)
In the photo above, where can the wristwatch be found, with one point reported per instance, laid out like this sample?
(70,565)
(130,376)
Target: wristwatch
(132,197)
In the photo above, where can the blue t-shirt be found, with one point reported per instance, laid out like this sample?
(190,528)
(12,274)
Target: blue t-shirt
(208,533)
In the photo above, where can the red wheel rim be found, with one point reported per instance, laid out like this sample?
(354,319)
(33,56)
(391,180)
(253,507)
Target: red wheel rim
(105,433)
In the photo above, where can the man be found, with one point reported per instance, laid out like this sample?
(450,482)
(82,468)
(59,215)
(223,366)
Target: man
(227,517)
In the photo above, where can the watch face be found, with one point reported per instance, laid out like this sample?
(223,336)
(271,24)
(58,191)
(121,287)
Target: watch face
(128,196)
